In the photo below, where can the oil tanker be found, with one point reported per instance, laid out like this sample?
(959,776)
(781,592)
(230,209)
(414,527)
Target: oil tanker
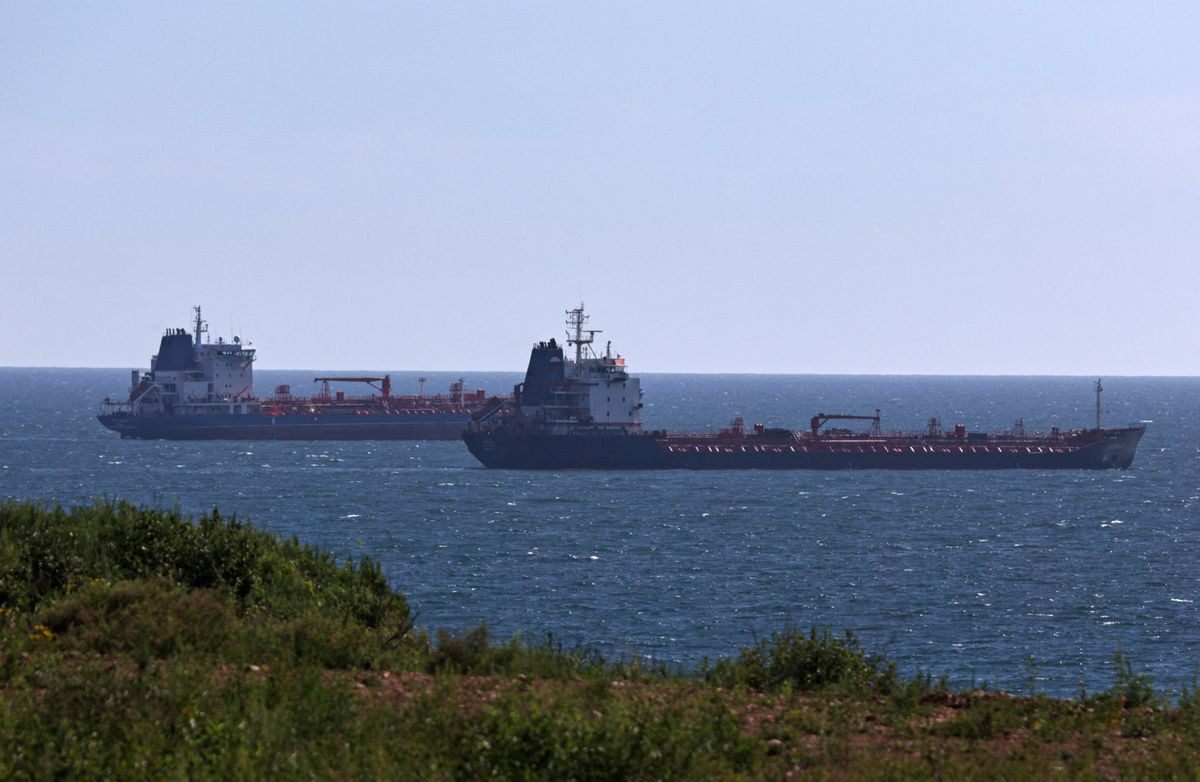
(585,413)
(199,390)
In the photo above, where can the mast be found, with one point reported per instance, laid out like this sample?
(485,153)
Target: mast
(576,319)
(201,326)
(1099,388)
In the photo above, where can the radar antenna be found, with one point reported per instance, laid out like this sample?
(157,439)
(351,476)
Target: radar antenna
(576,319)
(201,326)
(1099,388)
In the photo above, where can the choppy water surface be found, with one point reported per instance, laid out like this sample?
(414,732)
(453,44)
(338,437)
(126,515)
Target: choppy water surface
(967,574)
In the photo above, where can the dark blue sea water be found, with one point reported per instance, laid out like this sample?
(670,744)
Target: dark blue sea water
(957,573)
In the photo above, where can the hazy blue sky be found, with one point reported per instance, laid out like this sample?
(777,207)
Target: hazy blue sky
(796,187)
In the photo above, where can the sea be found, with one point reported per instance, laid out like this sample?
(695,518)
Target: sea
(1021,580)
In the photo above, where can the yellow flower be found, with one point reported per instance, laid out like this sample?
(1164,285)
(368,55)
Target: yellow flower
(41,633)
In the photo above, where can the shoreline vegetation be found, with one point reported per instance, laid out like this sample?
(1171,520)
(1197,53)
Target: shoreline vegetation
(136,643)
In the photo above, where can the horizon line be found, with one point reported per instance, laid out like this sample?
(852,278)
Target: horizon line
(785,373)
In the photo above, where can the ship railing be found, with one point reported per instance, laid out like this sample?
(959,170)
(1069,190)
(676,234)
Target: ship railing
(609,428)
(110,406)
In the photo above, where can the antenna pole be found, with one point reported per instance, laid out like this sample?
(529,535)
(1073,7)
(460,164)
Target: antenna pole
(201,326)
(576,319)
(1099,388)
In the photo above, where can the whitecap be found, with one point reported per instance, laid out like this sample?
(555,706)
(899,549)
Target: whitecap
(1181,600)
(352,516)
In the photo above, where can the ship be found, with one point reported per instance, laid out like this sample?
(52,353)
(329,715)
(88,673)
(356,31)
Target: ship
(201,390)
(586,413)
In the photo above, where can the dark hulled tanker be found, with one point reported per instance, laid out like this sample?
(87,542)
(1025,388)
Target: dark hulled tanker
(199,390)
(586,414)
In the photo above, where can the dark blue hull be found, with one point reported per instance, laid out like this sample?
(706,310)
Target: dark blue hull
(1110,449)
(254,426)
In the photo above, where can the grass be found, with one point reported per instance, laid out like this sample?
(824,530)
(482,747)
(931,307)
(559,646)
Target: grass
(138,644)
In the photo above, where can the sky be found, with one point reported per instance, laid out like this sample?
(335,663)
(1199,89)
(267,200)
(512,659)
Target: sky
(807,187)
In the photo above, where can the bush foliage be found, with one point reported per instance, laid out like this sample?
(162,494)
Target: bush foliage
(797,662)
(45,553)
(138,644)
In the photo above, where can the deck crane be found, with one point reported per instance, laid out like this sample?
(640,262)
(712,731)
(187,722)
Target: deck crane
(384,387)
(819,420)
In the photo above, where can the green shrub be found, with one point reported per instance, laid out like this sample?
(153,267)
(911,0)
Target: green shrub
(111,578)
(48,552)
(467,653)
(316,639)
(1132,688)
(794,661)
(538,737)
(145,618)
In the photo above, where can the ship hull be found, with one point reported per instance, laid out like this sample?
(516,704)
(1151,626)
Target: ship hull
(570,451)
(1108,449)
(251,426)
